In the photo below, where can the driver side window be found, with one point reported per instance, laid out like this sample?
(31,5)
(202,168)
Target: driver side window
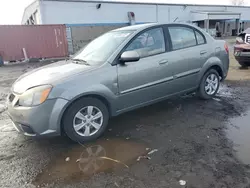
(149,43)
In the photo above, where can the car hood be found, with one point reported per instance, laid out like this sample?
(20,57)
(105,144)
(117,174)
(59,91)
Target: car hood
(48,75)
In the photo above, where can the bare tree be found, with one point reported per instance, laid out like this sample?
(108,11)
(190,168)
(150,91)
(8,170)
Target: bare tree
(238,2)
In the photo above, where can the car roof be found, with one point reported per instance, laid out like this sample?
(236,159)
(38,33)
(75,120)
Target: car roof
(148,25)
(136,27)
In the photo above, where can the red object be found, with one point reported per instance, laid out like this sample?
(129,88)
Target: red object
(236,49)
(242,47)
(39,41)
(226,47)
(131,14)
(238,42)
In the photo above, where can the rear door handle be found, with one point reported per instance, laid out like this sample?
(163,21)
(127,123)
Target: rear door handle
(162,62)
(203,52)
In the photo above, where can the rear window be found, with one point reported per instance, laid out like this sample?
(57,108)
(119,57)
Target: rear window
(200,38)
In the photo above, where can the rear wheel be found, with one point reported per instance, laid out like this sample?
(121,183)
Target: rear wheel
(85,120)
(209,85)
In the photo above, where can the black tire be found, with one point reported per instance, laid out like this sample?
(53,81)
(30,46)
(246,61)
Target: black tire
(70,113)
(244,64)
(201,91)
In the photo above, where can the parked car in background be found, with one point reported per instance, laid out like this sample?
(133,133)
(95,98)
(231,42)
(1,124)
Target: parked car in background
(242,48)
(120,71)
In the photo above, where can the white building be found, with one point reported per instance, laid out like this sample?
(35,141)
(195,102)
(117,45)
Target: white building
(108,12)
(105,15)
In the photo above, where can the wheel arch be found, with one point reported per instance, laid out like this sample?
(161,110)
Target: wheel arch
(103,99)
(212,63)
(217,68)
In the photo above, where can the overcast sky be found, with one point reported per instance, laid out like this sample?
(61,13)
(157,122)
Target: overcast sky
(12,10)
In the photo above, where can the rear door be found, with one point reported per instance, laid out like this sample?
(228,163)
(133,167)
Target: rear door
(188,54)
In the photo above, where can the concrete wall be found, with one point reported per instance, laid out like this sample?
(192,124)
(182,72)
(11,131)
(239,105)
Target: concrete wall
(82,35)
(212,24)
(79,12)
(246,25)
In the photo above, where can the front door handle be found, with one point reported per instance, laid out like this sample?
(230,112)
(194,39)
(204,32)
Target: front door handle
(203,52)
(163,62)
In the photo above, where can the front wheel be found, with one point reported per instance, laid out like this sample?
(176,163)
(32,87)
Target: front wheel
(209,85)
(85,120)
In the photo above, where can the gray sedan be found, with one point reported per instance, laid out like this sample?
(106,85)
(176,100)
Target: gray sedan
(122,70)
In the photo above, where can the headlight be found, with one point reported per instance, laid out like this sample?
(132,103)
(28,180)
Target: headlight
(35,96)
(239,40)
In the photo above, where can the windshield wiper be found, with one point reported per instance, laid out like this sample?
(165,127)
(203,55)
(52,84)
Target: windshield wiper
(80,61)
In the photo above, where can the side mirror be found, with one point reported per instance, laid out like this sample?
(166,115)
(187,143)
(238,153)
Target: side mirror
(129,56)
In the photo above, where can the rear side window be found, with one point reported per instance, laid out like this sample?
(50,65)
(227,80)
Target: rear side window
(200,38)
(182,37)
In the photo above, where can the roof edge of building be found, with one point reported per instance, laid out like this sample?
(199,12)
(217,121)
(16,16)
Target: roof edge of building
(25,10)
(145,3)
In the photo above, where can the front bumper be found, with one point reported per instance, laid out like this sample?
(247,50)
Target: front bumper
(242,56)
(41,120)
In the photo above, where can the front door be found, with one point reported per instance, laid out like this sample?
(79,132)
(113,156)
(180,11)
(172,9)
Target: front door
(144,81)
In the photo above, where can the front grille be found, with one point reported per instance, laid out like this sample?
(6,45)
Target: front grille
(248,38)
(246,50)
(11,97)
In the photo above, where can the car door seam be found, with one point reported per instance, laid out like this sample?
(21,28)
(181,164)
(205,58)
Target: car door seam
(187,73)
(148,85)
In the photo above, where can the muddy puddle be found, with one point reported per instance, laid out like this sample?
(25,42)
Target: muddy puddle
(225,91)
(239,132)
(83,161)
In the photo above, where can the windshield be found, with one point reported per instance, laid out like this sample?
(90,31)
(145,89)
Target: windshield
(100,49)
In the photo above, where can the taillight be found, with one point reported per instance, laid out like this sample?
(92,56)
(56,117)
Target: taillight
(226,47)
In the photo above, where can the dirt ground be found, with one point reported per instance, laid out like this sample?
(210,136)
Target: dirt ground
(183,142)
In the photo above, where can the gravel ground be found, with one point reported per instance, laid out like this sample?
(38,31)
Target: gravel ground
(193,147)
